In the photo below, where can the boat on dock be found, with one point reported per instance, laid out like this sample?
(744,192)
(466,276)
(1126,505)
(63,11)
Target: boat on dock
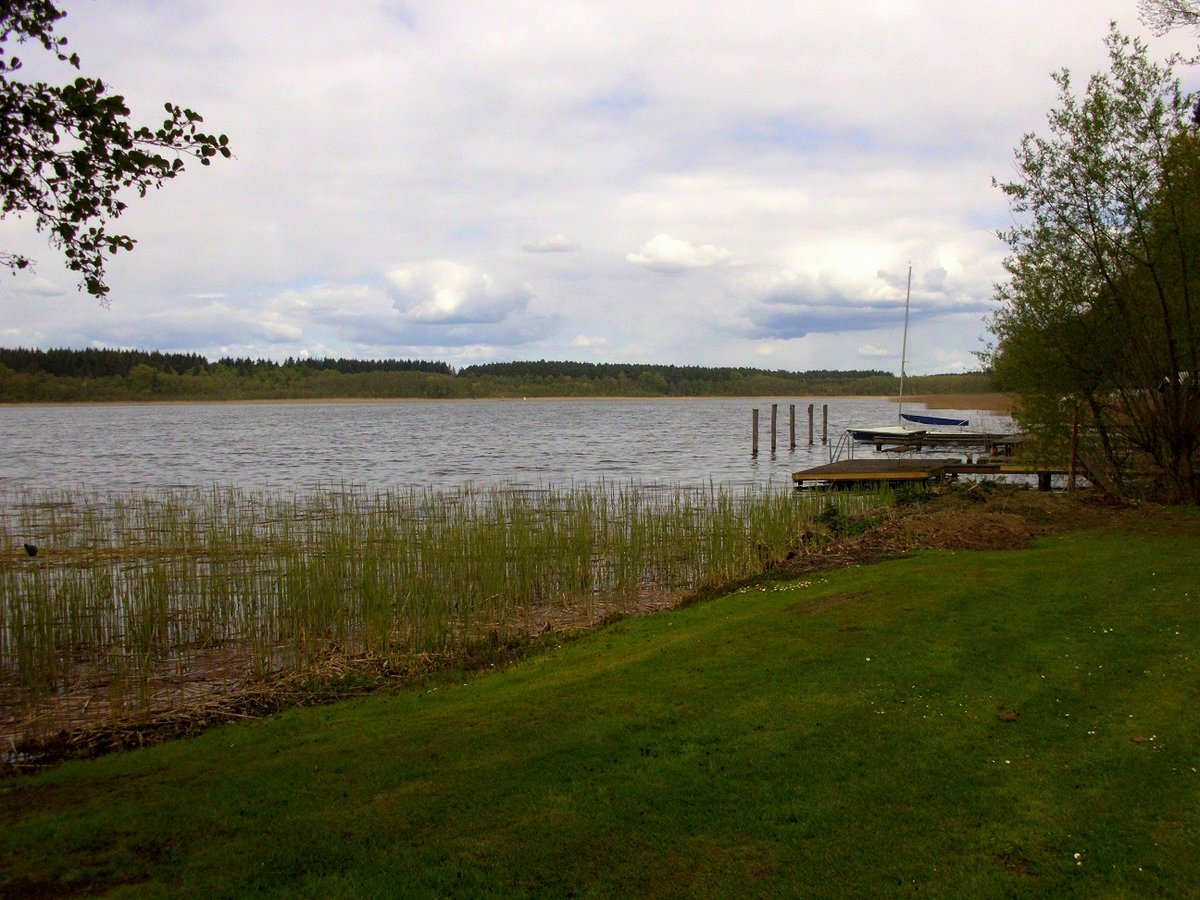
(934,420)
(900,437)
(936,431)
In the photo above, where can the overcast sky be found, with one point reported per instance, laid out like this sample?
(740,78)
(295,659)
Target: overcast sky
(665,182)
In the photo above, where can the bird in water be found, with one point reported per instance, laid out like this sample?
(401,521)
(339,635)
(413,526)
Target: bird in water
(31,549)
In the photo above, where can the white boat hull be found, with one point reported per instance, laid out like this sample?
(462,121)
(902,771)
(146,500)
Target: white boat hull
(898,434)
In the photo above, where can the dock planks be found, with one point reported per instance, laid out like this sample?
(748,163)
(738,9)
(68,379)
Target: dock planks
(869,471)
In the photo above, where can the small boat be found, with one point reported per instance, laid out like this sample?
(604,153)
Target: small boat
(900,433)
(917,437)
(944,421)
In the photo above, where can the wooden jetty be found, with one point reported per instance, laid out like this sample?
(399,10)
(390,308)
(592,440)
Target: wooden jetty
(863,471)
(849,472)
(996,444)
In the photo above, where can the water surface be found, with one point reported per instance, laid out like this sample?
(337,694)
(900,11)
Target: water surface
(379,445)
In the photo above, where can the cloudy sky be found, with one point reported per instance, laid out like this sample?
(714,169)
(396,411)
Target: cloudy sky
(600,180)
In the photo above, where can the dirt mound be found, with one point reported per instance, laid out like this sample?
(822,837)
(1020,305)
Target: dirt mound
(966,529)
(978,516)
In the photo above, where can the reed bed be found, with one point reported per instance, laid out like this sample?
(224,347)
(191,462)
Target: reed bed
(133,597)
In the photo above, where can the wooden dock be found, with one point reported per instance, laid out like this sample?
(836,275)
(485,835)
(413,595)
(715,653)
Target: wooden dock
(996,444)
(863,471)
(849,472)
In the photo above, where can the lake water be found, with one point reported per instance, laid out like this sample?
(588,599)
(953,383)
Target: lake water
(380,445)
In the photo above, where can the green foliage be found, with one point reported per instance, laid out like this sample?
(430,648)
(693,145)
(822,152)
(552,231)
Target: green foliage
(1022,727)
(96,363)
(1166,15)
(956,383)
(67,151)
(632,379)
(1100,314)
(98,374)
(911,494)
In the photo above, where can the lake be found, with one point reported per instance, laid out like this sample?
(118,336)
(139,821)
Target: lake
(299,446)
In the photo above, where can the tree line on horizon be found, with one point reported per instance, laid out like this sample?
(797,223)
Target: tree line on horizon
(93,374)
(93,362)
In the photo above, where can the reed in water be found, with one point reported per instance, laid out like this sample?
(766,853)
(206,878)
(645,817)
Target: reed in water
(129,590)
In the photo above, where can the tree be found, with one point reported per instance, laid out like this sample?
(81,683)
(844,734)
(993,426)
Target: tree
(1100,314)
(66,152)
(1164,15)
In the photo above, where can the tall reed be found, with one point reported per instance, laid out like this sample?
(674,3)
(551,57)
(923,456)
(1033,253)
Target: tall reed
(130,589)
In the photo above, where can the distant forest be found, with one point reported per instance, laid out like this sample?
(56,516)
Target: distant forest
(64,375)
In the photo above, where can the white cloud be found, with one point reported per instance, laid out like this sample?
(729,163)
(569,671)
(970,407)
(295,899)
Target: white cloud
(872,350)
(451,293)
(794,158)
(556,243)
(43,287)
(664,253)
(585,342)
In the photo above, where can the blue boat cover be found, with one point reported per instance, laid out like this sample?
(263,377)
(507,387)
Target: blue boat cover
(933,420)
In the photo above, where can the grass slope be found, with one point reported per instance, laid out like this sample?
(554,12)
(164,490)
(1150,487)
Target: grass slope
(963,724)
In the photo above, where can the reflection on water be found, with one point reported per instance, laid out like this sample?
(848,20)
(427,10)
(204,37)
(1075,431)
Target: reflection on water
(381,445)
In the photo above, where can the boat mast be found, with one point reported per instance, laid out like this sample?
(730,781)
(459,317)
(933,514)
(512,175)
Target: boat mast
(904,346)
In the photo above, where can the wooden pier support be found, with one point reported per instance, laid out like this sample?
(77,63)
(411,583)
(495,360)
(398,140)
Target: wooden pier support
(754,432)
(810,424)
(774,428)
(867,471)
(825,424)
(792,427)
(1074,465)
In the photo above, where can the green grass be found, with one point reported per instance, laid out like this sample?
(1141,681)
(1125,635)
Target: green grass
(837,736)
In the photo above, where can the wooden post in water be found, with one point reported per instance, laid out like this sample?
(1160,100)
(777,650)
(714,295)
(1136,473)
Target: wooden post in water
(774,428)
(754,432)
(1074,450)
(825,424)
(810,424)
(792,426)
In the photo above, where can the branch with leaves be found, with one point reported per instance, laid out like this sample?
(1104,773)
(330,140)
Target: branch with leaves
(67,152)
(1166,15)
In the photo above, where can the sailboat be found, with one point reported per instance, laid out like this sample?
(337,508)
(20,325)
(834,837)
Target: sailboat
(901,432)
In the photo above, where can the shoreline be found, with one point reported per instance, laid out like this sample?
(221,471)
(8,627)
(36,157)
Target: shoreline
(987,402)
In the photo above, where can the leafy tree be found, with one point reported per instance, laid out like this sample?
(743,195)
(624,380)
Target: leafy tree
(1100,313)
(67,151)
(1165,15)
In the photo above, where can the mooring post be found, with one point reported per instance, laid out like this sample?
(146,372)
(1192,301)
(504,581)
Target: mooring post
(1074,465)
(754,432)
(810,424)
(825,424)
(774,424)
(792,426)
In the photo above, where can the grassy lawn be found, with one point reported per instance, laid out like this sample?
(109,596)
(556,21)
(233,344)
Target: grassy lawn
(952,724)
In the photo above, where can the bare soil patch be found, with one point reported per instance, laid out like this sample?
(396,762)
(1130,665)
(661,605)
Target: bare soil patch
(979,516)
